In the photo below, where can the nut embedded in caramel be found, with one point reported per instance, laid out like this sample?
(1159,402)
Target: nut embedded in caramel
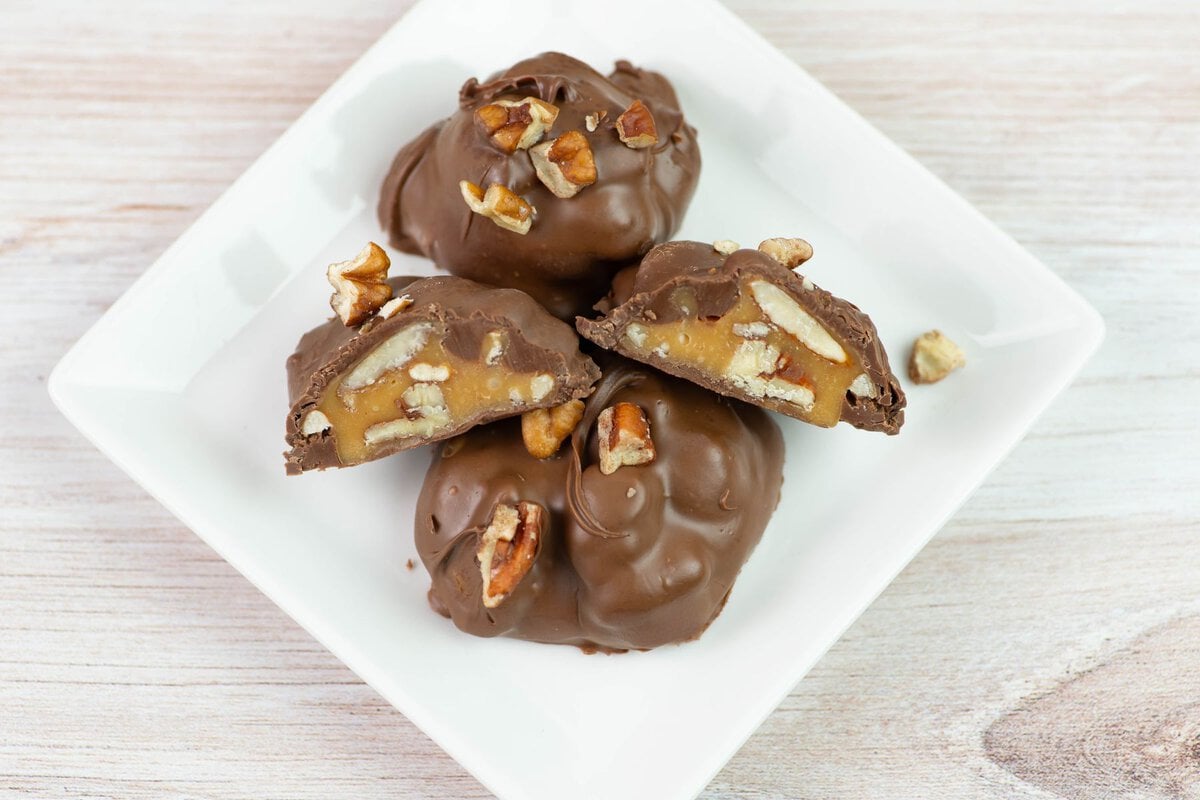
(359,285)
(314,422)
(636,126)
(425,413)
(760,369)
(508,548)
(429,373)
(410,386)
(785,312)
(765,346)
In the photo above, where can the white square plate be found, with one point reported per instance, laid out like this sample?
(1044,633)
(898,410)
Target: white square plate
(182,384)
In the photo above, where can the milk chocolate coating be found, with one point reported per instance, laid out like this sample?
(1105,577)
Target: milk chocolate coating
(633,560)
(574,246)
(537,342)
(643,295)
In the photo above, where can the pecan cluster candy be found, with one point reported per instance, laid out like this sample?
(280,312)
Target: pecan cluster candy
(549,178)
(609,508)
(629,536)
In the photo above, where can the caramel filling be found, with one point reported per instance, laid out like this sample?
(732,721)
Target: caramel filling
(411,386)
(766,345)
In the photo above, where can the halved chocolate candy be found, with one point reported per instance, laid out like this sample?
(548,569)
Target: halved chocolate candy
(444,355)
(743,324)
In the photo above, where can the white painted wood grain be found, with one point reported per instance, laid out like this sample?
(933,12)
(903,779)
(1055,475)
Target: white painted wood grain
(136,664)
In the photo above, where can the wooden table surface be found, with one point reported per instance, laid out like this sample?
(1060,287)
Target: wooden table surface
(1044,644)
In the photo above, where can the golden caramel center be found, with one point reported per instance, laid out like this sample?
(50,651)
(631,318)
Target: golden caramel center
(766,345)
(410,386)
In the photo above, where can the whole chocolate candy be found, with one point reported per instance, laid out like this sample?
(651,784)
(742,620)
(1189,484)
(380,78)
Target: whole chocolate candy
(630,537)
(549,178)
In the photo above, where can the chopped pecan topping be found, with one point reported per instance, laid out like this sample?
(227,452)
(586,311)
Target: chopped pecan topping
(593,120)
(500,205)
(565,165)
(636,126)
(624,437)
(360,286)
(513,125)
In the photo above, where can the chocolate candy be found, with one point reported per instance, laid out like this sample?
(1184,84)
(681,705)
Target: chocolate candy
(444,355)
(549,178)
(742,323)
(630,537)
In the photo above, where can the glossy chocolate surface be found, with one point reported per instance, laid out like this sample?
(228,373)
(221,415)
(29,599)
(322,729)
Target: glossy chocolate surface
(575,245)
(633,560)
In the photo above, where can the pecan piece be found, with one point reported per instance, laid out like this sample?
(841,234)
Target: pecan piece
(360,285)
(782,309)
(758,368)
(789,252)
(315,422)
(624,437)
(394,306)
(792,372)
(593,120)
(636,126)
(545,429)
(500,205)
(513,125)
(508,547)
(565,165)
(934,356)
